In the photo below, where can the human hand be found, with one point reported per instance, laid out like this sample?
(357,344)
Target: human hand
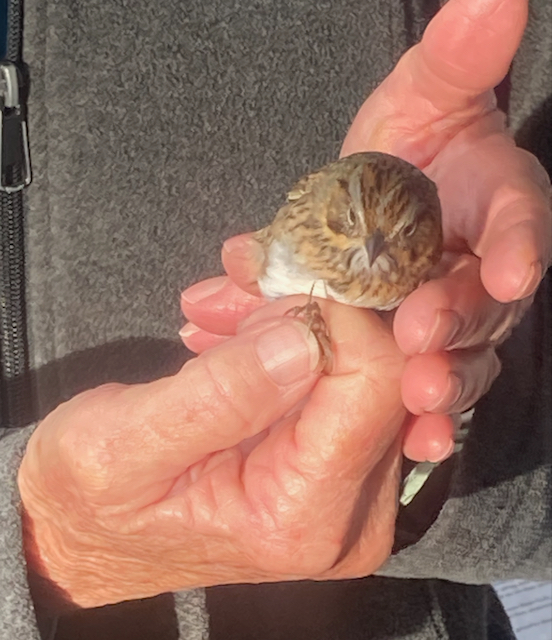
(437,109)
(246,466)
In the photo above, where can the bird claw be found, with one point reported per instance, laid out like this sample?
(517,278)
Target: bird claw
(312,316)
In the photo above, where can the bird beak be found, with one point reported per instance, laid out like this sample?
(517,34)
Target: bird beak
(374,246)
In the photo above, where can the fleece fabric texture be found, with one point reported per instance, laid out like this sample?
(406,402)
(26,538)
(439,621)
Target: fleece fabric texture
(158,129)
(17,616)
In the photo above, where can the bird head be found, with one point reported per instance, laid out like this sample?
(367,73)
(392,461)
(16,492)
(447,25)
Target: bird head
(382,212)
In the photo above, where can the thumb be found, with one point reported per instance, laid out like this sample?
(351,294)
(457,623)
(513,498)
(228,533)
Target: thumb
(442,83)
(127,445)
(469,46)
(227,394)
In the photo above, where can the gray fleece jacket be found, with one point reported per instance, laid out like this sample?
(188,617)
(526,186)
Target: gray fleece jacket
(158,129)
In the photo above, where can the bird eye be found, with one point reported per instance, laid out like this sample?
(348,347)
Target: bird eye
(409,229)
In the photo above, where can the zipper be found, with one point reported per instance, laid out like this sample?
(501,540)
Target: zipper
(15,175)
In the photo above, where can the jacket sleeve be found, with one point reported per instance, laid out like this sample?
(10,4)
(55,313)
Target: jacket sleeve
(17,615)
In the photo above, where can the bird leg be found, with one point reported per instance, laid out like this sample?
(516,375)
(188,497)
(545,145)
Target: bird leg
(311,314)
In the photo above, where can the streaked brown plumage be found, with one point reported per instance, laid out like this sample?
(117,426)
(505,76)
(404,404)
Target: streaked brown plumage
(364,230)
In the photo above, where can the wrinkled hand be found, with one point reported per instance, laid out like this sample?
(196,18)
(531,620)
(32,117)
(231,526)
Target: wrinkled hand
(437,109)
(245,466)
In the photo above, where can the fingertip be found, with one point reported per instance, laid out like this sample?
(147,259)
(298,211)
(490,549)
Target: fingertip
(243,246)
(470,44)
(427,384)
(510,275)
(218,305)
(429,438)
(197,340)
(201,290)
(412,320)
(424,322)
(448,382)
(188,330)
(242,258)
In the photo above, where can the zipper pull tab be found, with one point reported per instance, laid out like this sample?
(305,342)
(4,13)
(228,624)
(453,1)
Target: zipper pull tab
(15,163)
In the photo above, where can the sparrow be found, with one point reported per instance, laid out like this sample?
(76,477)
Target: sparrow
(364,230)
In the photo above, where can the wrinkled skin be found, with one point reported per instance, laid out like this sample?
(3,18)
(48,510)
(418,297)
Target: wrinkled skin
(215,475)
(437,109)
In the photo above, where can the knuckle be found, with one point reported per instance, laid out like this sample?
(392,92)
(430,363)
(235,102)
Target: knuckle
(535,169)
(290,538)
(223,393)
(292,554)
(85,454)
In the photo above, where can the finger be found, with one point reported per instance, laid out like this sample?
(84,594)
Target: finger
(453,312)
(362,559)
(242,257)
(369,541)
(429,437)
(217,305)
(351,423)
(469,45)
(496,198)
(198,340)
(227,394)
(362,389)
(443,82)
(448,382)
(514,264)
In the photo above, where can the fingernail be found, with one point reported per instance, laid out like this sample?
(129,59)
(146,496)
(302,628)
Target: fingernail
(449,398)
(441,453)
(188,330)
(530,281)
(444,331)
(203,290)
(245,245)
(288,353)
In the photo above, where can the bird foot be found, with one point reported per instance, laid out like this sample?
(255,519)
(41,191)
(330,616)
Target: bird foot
(311,314)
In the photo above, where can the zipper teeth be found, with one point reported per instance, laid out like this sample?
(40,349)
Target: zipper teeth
(14,30)
(15,396)
(13,346)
